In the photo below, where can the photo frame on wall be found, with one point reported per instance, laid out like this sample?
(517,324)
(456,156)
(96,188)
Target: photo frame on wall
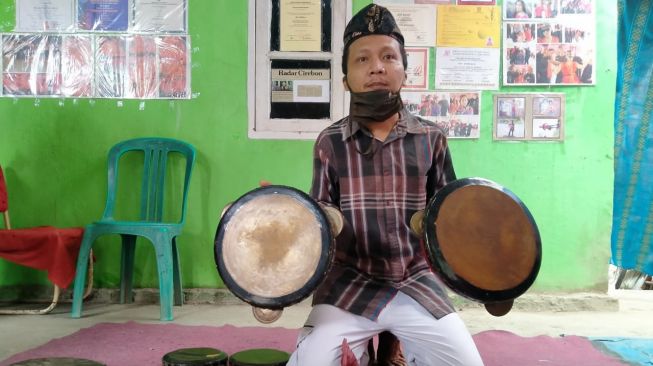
(528,117)
(510,113)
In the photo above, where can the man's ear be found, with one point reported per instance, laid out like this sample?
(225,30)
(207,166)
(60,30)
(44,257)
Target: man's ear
(344,82)
(405,79)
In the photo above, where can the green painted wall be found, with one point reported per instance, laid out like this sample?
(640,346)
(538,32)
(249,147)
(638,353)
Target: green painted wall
(54,155)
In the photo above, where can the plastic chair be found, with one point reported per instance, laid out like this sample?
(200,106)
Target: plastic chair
(150,226)
(4,209)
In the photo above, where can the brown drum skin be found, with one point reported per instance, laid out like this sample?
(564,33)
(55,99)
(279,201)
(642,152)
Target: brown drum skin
(482,242)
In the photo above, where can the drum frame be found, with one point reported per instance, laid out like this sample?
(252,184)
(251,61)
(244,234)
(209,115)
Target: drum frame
(445,272)
(323,265)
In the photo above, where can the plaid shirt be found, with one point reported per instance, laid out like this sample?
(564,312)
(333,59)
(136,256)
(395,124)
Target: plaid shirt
(377,195)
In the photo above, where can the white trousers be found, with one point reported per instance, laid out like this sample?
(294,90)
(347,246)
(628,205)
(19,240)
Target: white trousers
(425,340)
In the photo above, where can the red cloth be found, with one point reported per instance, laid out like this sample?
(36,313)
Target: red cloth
(47,248)
(3,193)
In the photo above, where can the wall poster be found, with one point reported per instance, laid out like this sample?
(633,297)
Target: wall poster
(456,112)
(300,89)
(549,42)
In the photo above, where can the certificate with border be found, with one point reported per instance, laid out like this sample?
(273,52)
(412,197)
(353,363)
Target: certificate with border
(300,25)
(159,15)
(417,23)
(467,68)
(45,15)
(417,72)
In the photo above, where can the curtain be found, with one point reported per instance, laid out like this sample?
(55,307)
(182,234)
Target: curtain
(632,223)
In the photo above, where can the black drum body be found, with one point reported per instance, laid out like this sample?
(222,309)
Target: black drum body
(273,247)
(202,356)
(482,241)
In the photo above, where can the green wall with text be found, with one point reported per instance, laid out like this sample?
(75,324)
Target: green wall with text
(54,155)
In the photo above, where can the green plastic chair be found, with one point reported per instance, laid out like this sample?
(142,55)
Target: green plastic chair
(150,226)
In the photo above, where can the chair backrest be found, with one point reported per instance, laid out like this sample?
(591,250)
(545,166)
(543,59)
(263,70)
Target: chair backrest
(156,152)
(4,201)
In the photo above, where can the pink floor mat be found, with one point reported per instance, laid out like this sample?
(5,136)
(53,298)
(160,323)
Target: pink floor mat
(138,344)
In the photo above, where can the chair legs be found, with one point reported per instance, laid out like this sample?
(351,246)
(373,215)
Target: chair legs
(55,296)
(167,257)
(53,304)
(127,268)
(179,291)
(82,265)
(165,266)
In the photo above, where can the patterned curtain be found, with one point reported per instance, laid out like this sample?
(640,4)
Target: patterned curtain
(632,225)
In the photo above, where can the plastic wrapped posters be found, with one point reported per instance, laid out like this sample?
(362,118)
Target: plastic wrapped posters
(110,66)
(103,15)
(173,73)
(77,66)
(142,82)
(31,64)
(124,49)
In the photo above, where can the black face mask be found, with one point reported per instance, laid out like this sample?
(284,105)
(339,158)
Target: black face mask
(374,106)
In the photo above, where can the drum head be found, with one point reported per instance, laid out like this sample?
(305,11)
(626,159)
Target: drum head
(482,240)
(273,247)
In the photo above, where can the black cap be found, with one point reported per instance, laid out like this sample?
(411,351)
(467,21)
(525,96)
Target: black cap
(372,19)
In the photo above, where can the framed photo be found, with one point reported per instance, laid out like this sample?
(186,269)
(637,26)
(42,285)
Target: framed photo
(546,106)
(529,116)
(546,128)
(510,107)
(509,129)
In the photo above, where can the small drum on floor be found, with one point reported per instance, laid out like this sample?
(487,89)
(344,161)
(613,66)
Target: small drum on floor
(57,361)
(482,241)
(273,247)
(201,356)
(259,357)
